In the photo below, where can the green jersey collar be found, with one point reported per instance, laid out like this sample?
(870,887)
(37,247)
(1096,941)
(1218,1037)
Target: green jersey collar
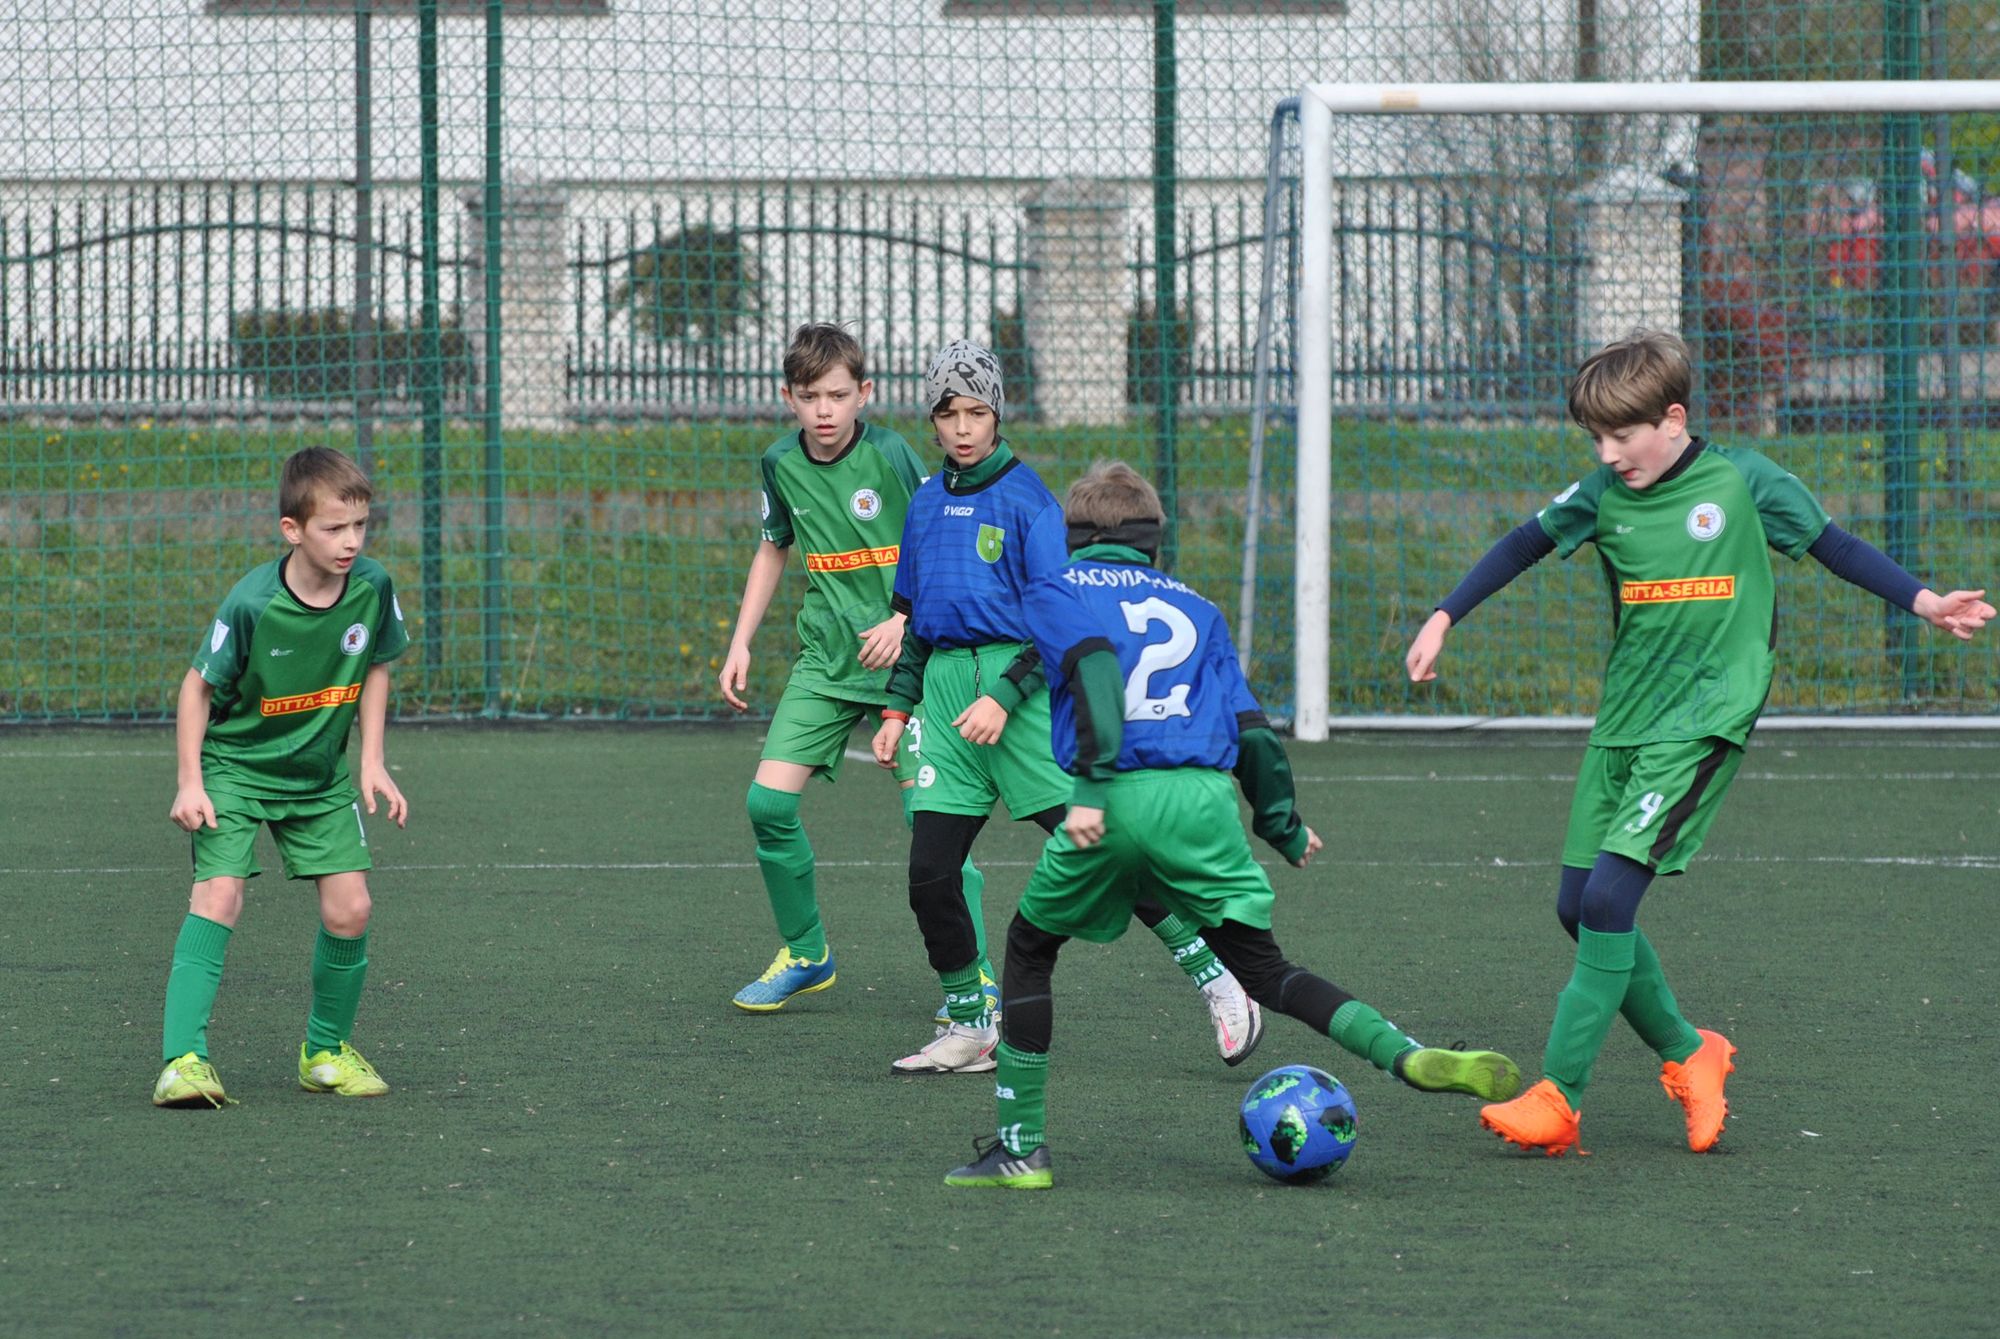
(982,474)
(860,431)
(1110,553)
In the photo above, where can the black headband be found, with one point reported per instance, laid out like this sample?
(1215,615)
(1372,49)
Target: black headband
(1143,535)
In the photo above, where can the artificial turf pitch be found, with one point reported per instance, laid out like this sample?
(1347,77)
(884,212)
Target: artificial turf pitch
(584,1138)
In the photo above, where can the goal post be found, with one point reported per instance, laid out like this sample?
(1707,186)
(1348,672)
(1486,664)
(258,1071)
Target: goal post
(1320,103)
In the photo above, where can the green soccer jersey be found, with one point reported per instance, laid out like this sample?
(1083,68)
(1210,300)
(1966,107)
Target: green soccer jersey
(846,515)
(1691,590)
(287,680)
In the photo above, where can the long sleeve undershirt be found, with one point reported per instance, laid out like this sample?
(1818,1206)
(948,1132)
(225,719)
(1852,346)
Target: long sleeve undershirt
(1846,555)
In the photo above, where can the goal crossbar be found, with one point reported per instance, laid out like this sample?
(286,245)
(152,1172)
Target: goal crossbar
(1318,103)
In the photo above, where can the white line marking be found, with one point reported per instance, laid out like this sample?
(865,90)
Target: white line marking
(1395,778)
(1322,861)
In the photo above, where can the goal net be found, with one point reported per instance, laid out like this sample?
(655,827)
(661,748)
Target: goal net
(1829,250)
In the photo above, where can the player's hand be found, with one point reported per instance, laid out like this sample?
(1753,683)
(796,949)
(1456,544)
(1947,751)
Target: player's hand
(735,676)
(1421,659)
(1960,613)
(885,742)
(982,722)
(1084,825)
(1313,847)
(375,780)
(192,809)
(882,645)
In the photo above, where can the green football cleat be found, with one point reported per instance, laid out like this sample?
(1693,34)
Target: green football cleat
(1000,1168)
(190,1082)
(344,1071)
(1487,1075)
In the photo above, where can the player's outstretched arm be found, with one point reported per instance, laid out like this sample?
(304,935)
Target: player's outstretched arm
(374,721)
(1421,659)
(1960,613)
(191,804)
(758,588)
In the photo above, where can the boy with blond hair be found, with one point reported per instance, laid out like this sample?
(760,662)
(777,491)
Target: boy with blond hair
(299,650)
(1683,529)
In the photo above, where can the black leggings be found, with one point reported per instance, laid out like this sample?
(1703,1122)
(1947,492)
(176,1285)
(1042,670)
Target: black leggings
(939,845)
(1252,954)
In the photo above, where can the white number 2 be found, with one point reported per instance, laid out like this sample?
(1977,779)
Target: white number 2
(1649,808)
(1158,657)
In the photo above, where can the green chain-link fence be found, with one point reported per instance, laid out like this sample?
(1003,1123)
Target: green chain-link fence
(230,230)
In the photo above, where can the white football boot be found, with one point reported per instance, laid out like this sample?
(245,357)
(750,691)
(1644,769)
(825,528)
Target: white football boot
(1239,1023)
(958,1048)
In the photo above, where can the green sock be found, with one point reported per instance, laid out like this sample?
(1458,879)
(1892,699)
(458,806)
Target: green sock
(975,884)
(1585,1008)
(1651,1009)
(1374,1038)
(1023,1085)
(963,998)
(786,858)
(192,981)
(1190,950)
(340,966)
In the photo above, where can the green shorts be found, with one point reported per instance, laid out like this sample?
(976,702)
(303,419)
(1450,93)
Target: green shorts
(955,777)
(314,837)
(1175,836)
(813,730)
(1652,803)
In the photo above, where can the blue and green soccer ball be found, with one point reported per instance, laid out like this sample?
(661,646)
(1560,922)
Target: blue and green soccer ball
(1298,1124)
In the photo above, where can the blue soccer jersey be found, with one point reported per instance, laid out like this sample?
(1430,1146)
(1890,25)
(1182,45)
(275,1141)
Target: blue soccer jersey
(1184,692)
(972,543)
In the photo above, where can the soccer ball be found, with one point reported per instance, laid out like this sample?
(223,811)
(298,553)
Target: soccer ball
(1298,1124)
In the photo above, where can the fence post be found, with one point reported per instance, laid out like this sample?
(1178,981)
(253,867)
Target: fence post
(1075,300)
(534,294)
(1629,233)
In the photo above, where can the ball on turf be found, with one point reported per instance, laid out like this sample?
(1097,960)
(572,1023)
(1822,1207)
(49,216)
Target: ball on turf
(1298,1124)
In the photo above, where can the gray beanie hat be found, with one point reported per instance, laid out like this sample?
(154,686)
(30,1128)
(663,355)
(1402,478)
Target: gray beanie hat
(963,368)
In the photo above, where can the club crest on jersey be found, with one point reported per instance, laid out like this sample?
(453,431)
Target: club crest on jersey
(354,640)
(1705,522)
(217,636)
(991,540)
(866,504)
(764,504)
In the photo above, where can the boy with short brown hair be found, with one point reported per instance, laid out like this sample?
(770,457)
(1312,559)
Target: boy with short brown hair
(299,650)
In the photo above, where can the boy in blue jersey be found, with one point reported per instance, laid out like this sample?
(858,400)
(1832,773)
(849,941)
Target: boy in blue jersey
(1152,715)
(978,533)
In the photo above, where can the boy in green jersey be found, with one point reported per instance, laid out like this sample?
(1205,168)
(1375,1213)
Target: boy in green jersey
(300,648)
(837,488)
(1683,529)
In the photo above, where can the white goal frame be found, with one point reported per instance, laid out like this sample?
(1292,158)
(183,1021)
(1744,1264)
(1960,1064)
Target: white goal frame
(1319,103)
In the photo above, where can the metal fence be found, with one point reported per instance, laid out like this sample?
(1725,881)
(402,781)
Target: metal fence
(538,268)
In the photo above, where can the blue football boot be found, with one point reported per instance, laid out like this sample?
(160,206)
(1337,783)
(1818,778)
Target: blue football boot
(788,975)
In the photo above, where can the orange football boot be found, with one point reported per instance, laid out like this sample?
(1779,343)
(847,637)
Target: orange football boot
(1539,1118)
(1696,1083)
